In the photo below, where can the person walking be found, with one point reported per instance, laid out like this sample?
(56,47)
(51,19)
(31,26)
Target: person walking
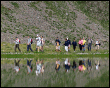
(80,44)
(66,45)
(74,43)
(83,45)
(57,44)
(69,42)
(17,44)
(29,44)
(97,44)
(89,43)
(38,45)
(42,42)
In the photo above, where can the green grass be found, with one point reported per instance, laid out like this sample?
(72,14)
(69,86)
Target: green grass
(102,81)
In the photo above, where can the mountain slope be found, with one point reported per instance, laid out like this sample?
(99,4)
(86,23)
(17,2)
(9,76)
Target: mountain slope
(52,19)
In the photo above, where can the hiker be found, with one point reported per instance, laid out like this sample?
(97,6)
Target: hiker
(89,65)
(89,43)
(66,45)
(97,44)
(80,44)
(57,67)
(74,65)
(74,43)
(42,43)
(29,67)
(17,44)
(39,67)
(97,64)
(38,46)
(57,44)
(69,43)
(66,64)
(83,45)
(16,68)
(29,44)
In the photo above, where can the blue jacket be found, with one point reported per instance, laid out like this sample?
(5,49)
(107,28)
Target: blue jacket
(69,42)
(57,40)
(74,43)
(66,43)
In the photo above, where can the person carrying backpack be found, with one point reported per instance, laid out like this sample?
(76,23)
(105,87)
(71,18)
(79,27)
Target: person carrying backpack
(17,44)
(29,44)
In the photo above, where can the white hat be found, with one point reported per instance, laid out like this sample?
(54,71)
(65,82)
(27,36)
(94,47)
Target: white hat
(37,35)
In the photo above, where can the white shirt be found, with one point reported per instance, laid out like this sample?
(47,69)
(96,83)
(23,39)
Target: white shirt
(17,41)
(97,42)
(38,40)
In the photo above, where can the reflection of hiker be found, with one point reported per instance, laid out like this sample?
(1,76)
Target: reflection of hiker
(29,44)
(69,43)
(16,68)
(74,43)
(66,64)
(17,44)
(74,65)
(39,67)
(97,64)
(89,65)
(89,43)
(29,67)
(57,44)
(81,66)
(66,45)
(83,63)
(57,65)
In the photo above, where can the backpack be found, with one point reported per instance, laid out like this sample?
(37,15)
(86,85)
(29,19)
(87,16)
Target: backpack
(31,41)
(19,41)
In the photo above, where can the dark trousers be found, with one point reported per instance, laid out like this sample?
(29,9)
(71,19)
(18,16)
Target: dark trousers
(89,46)
(74,47)
(17,46)
(29,47)
(80,47)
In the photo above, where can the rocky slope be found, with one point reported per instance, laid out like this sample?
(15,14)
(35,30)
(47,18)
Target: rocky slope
(50,19)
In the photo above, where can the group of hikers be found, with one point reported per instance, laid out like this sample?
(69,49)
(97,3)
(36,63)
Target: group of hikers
(41,41)
(81,43)
(39,45)
(67,65)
